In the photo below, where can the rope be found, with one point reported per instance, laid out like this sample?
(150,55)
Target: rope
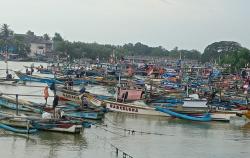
(108,130)
(124,154)
(130,130)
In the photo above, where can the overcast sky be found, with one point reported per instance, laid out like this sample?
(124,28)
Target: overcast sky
(188,24)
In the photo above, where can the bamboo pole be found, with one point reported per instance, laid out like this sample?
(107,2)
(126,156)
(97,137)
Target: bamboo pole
(17,104)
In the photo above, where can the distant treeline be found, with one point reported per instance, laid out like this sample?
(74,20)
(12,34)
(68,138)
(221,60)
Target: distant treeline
(228,53)
(93,50)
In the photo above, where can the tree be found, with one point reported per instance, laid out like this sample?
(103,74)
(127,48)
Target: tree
(217,50)
(30,33)
(46,37)
(236,60)
(6,32)
(57,37)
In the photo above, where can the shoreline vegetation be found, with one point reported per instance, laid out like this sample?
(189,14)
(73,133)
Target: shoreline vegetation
(228,54)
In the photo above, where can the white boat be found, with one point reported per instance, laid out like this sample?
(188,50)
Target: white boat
(72,129)
(222,115)
(132,109)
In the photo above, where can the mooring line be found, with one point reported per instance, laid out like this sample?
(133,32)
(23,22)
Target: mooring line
(131,131)
(117,150)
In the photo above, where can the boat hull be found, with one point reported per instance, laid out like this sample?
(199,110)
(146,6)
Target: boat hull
(132,109)
(8,103)
(203,118)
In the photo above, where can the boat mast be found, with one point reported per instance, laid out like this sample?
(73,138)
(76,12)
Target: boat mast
(6,60)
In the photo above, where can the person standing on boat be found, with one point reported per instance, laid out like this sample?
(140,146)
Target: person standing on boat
(84,101)
(32,70)
(70,84)
(27,71)
(46,94)
(55,103)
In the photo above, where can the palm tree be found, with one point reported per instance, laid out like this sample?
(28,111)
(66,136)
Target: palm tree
(5,32)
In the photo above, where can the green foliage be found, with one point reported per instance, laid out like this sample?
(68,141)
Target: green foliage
(57,37)
(216,51)
(93,50)
(46,37)
(30,33)
(228,54)
(5,32)
(236,60)
(11,42)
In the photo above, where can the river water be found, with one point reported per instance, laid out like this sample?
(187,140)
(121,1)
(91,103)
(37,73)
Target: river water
(166,137)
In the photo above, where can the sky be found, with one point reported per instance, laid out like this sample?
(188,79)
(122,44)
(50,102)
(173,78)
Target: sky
(187,24)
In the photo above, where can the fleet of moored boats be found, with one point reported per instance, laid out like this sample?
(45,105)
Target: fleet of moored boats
(192,93)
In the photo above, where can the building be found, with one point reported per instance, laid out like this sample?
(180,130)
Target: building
(39,46)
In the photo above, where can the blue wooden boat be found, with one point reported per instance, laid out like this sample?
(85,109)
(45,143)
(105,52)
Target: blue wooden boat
(10,103)
(80,81)
(34,78)
(17,130)
(203,118)
(167,100)
(84,114)
(76,81)
(45,71)
(73,110)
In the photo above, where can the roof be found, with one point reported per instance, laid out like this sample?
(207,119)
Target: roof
(33,39)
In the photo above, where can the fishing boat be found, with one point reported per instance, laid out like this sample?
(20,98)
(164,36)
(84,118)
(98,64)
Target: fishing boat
(76,96)
(17,124)
(58,126)
(131,108)
(222,115)
(23,105)
(34,78)
(17,130)
(222,110)
(140,107)
(69,95)
(15,121)
(73,110)
(76,81)
(202,118)
(84,114)
(130,94)
(73,102)
(45,71)
(10,80)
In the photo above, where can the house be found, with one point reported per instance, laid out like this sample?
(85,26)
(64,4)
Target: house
(38,45)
